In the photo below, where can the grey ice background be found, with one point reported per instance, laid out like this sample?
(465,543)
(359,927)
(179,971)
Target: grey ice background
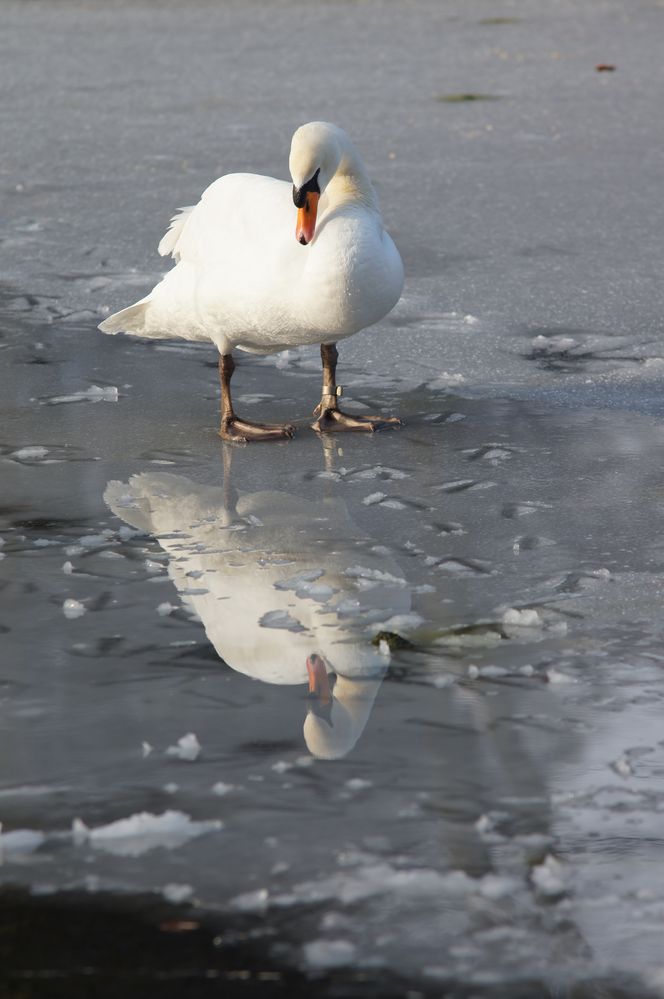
(526,356)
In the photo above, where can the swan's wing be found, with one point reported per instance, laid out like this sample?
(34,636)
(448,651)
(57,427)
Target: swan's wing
(171,238)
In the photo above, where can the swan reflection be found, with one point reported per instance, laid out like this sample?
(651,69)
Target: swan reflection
(289,590)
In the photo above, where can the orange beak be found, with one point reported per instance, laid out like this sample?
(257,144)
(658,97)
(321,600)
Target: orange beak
(319,685)
(306,218)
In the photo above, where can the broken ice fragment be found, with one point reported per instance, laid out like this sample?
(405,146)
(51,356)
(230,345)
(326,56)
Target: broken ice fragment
(96,393)
(177,893)
(19,842)
(525,618)
(549,877)
(280,619)
(221,789)
(326,954)
(30,453)
(73,608)
(187,748)
(143,831)
(622,767)
(251,901)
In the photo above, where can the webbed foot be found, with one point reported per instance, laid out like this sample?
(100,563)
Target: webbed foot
(333,420)
(243,431)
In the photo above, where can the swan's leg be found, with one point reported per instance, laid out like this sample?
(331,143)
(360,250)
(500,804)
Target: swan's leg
(330,418)
(232,427)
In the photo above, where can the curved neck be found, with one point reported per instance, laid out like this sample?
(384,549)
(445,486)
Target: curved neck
(351,183)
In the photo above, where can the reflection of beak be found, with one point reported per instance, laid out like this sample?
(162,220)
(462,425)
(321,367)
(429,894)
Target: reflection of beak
(306,218)
(319,685)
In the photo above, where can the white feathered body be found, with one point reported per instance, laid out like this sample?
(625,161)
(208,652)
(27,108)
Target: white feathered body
(242,280)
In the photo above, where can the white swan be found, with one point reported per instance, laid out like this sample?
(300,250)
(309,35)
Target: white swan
(262,268)
(287,589)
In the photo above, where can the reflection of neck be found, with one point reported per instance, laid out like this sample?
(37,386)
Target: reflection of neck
(351,706)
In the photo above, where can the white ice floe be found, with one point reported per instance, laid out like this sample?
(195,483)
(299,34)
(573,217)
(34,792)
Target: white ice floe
(554,675)
(280,619)
(525,618)
(622,767)
(96,393)
(379,878)
(73,608)
(251,901)
(549,877)
(146,749)
(221,788)
(446,379)
(187,748)
(139,833)
(322,955)
(166,608)
(19,843)
(364,576)
(305,585)
(358,784)
(32,453)
(281,766)
(374,498)
(177,893)
(397,623)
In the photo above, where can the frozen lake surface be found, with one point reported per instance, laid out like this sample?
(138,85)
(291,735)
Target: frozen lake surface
(479,809)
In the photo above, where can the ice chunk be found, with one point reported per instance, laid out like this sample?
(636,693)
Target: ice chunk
(325,954)
(96,393)
(446,379)
(622,766)
(73,608)
(305,586)
(30,453)
(19,842)
(360,573)
(358,784)
(221,788)
(177,893)
(280,619)
(187,748)
(251,901)
(166,608)
(554,675)
(526,618)
(374,498)
(139,833)
(549,877)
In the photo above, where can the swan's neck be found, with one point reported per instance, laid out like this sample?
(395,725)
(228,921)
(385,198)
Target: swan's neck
(351,184)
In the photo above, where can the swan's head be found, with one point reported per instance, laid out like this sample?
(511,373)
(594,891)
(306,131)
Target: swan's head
(315,156)
(336,719)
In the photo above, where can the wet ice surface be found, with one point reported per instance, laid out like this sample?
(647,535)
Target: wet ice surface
(481,800)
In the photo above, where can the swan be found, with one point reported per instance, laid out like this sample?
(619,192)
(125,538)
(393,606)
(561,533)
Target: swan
(281,597)
(262,267)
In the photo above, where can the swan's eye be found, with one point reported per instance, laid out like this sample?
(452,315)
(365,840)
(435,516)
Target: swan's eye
(300,193)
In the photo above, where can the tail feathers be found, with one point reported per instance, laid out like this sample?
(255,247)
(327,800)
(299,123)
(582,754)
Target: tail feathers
(130,320)
(169,243)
